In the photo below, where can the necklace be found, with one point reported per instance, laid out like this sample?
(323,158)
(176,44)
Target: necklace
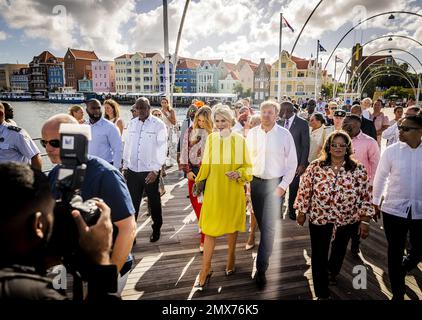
(337,166)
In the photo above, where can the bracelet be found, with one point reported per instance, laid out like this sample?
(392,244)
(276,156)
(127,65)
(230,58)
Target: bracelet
(364,222)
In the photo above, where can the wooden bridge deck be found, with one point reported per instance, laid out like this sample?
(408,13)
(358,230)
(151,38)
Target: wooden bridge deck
(168,268)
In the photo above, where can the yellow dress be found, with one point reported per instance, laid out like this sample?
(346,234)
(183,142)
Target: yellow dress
(224,207)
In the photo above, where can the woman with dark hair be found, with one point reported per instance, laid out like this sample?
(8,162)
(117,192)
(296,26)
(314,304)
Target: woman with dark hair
(112,113)
(318,133)
(334,192)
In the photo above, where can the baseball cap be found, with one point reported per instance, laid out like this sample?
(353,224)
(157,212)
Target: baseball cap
(340,113)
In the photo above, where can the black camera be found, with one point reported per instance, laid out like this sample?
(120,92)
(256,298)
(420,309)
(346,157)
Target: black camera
(70,179)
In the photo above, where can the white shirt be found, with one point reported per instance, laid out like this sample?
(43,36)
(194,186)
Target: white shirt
(391,134)
(273,154)
(237,128)
(400,172)
(16,145)
(106,142)
(366,114)
(146,145)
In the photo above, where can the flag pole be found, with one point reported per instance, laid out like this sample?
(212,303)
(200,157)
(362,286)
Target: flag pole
(316,71)
(335,80)
(166,50)
(279,59)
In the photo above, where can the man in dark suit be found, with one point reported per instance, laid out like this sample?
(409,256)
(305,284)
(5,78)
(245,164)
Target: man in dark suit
(299,129)
(367,126)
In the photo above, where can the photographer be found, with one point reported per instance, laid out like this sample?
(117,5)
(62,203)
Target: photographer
(25,230)
(104,181)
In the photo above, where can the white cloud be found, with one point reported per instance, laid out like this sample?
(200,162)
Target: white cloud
(3,35)
(213,28)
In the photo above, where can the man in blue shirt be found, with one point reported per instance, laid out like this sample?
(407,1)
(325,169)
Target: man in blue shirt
(106,142)
(104,181)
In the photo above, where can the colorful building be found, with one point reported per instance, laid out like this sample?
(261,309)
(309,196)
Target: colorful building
(138,72)
(85,85)
(39,71)
(208,73)
(245,71)
(261,89)
(77,65)
(19,80)
(103,76)
(186,74)
(297,77)
(56,76)
(162,75)
(6,71)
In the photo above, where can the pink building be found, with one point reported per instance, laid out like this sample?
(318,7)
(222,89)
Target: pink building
(103,76)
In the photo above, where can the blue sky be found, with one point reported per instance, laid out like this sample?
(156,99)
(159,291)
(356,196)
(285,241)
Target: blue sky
(213,28)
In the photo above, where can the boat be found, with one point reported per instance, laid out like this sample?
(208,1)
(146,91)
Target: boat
(76,97)
(15,96)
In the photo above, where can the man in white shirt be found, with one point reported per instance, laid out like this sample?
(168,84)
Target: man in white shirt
(400,165)
(144,154)
(106,142)
(391,134)
(274,163)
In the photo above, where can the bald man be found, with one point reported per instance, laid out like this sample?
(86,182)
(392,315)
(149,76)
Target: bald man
(104,181)
(367,126)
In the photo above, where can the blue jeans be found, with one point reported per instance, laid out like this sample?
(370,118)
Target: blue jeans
(266,208)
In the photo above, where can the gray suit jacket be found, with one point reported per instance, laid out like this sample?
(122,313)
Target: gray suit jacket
(300,132)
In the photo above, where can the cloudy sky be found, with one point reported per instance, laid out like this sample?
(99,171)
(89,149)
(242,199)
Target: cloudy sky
(228,29)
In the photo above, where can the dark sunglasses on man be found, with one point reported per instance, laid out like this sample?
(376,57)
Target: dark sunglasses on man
(55,143)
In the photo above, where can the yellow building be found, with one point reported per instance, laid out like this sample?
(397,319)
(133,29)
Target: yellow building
(297,77)
(138,72)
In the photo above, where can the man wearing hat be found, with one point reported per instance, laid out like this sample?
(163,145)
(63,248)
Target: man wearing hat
(338,119)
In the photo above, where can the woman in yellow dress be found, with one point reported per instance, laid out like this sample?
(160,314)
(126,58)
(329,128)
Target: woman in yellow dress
(226,167)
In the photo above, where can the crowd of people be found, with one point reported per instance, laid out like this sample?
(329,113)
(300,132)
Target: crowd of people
(238,161)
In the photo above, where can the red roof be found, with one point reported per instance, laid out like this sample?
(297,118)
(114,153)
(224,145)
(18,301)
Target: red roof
(234,75)
(83,54)
(45,56)
(187,63)
(230,66)
(126,56)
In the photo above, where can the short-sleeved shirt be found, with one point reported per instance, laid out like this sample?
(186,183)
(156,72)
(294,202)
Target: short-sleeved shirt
(104,181)
(16,144)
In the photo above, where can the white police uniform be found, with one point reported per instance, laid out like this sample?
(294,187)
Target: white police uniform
(16,144)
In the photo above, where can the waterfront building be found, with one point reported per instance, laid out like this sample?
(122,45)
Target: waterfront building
(19,80)
(103,76)
(6,71)
(138,72)
(186,74)
(77,65)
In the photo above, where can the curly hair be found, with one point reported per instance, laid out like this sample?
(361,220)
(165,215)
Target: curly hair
(325,157)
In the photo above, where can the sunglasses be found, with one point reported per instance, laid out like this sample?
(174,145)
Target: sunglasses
(338,145)
(406,129)
(55,143)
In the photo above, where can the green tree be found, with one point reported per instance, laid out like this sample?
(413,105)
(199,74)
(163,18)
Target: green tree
(238,89)
(327,90)
(400,92)
(248,93)
(177,89)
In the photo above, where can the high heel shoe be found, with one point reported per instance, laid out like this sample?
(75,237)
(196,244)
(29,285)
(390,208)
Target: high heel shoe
(230,272)
(201,287)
